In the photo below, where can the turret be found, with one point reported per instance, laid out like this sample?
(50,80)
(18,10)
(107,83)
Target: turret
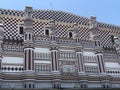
(28,40)
(95,37)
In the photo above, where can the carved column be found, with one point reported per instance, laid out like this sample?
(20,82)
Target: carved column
(79,58)
(101,63)
(54,58)
(94,36)
(28,40)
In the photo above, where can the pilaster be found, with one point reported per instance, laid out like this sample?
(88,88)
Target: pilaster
(79,58)
(101,64)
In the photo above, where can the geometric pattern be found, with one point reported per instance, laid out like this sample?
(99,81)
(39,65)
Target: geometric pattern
(38,28)
(11,28)
(11,25)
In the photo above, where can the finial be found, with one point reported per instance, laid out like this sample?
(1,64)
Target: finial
(28,11)
(92,21)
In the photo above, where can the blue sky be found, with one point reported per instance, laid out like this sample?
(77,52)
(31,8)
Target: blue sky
(107,11)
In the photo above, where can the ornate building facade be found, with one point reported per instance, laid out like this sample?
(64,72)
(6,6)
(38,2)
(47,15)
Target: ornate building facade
(55,49)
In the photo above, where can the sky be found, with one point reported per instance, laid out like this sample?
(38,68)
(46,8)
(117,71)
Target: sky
(106,11)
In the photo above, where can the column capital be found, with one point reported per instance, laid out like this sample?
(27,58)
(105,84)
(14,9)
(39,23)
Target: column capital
(54,47)
(79,49)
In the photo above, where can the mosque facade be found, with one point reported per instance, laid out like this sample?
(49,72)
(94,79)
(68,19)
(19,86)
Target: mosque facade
(56,49)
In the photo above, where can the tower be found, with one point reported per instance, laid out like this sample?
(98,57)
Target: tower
(94,37)
(79,52)
(28,40)
(53,47)
(54,56)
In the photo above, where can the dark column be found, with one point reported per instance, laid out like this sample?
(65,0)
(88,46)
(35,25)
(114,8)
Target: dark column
(79,58)
(101,63)
(54,58)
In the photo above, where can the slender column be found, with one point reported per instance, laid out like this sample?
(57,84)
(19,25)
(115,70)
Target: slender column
(80,64)
(54,46)
(29,62)
(79,59)
(101,63)
(54,59)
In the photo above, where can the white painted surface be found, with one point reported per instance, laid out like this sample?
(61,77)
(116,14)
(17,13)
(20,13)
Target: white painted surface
(67,50)
(69,68)
(38,61)
(42,50)
(91,64)
(88,53)
(94,85)
(67,85)
(13,60)
(43,85)
(112,64)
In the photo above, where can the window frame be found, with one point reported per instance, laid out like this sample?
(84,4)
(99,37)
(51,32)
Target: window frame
(72,33)
(47,28)
(19,26)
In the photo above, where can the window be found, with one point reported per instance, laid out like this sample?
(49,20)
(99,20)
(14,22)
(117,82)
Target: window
(21,29)
(84,85)
(47,32)
(70,34)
